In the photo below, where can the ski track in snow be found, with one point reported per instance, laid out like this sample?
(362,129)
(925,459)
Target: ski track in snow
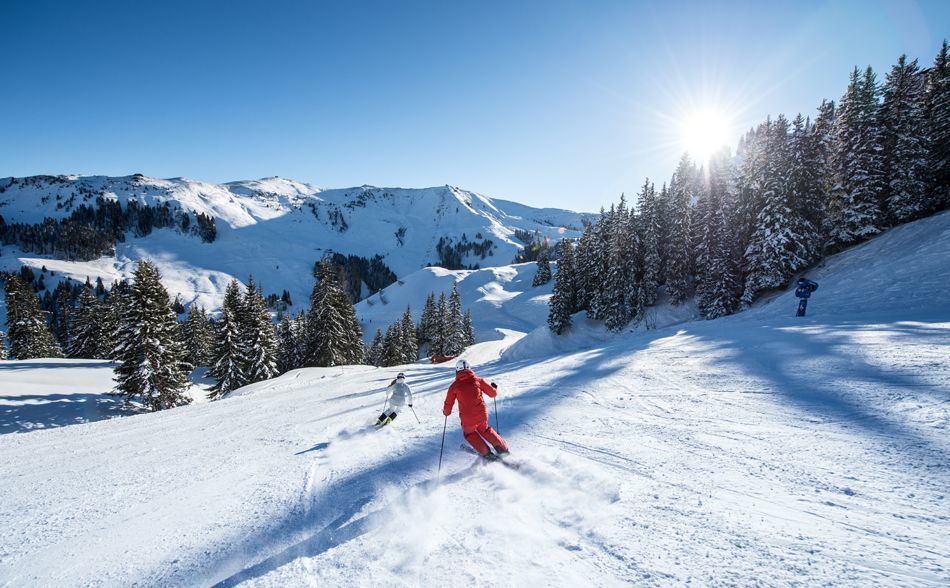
(756,449)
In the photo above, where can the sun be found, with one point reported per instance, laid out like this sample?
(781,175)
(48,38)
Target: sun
(703,132)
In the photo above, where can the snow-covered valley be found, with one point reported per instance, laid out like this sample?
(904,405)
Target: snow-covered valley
(758,448)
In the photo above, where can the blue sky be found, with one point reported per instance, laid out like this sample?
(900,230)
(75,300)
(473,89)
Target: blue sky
(561,104)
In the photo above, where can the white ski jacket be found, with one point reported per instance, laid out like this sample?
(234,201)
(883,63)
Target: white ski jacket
(400,394)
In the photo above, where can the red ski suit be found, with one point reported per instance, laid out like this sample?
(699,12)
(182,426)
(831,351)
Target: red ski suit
(473,413)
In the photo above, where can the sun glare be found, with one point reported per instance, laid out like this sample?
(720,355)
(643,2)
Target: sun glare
(702,133)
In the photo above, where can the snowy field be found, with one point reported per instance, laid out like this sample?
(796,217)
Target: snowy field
(755,449)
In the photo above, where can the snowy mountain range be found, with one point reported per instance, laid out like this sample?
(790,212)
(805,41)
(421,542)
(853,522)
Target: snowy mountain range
(275,229)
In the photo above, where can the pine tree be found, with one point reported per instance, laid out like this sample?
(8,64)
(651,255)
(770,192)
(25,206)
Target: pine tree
(598,272)
(937,116)
(199,336)
(440,326)
(564,298)
(620,290)
(854,211)
(410,349)
(904,143)
(288,356)
(375,354)
(229,357)
(777,247)
(819,161)
(334,336)
(426,331)
(3,346)
(543,275)
(454,329)
(392,353)
(468,328)
(679,253)
(649,240)
(259,337)
(85,327)
(27,330)
(717,283)
(152,366)
(582,256)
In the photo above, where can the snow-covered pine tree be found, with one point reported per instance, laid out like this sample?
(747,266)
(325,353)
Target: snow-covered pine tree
(819,155)
(229,357)
(777,247)
(425,333)
(440,327)
(904,143)
(620,288)
(564,299)
(679,253)
(392,352)
(598,272)
(584,289)
(854,208)
(334,336)
(375,354)
(455,332)
(543,275)
(649,240)
(717,281)
(3,346)
(86,328)
(27,330)
(260,339)
(198,335)
(938,128)
(288,345)
(750,182)
(59,318)
(468,328)
(410,349)
(152,365)
(663,227)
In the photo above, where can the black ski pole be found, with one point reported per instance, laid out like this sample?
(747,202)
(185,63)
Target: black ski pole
(446,424)
(495,402)
(414,414)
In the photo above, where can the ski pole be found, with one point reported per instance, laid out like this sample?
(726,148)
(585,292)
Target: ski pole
(446,424)
(414,414)
(495,402)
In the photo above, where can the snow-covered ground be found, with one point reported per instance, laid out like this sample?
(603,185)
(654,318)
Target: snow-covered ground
(756,449)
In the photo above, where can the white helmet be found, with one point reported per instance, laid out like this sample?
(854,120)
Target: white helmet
(461,365)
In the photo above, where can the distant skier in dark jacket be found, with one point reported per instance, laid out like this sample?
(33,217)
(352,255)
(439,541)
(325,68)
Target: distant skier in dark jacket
(804,290)
(468,389)
(401,394)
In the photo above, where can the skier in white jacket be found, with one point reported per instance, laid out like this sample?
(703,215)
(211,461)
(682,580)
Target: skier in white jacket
(400,396)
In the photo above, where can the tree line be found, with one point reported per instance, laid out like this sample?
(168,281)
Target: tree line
(795,192)
(89,232)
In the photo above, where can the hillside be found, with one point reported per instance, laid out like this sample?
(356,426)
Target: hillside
(758,448)
(274,229)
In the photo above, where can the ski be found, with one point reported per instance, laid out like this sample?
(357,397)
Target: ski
(503,460)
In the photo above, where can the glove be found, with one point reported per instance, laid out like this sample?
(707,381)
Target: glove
(446,413)
(494,385)
(410,406)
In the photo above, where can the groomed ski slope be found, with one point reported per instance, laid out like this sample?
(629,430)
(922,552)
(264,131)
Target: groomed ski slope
(759,448)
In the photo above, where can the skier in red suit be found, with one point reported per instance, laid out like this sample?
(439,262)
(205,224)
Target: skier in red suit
(468,389)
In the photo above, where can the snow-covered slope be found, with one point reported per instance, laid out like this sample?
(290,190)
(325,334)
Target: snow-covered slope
(756,449)
(500,298)
(276,229)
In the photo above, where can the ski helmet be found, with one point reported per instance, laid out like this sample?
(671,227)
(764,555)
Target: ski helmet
(461,365)
(400,376)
